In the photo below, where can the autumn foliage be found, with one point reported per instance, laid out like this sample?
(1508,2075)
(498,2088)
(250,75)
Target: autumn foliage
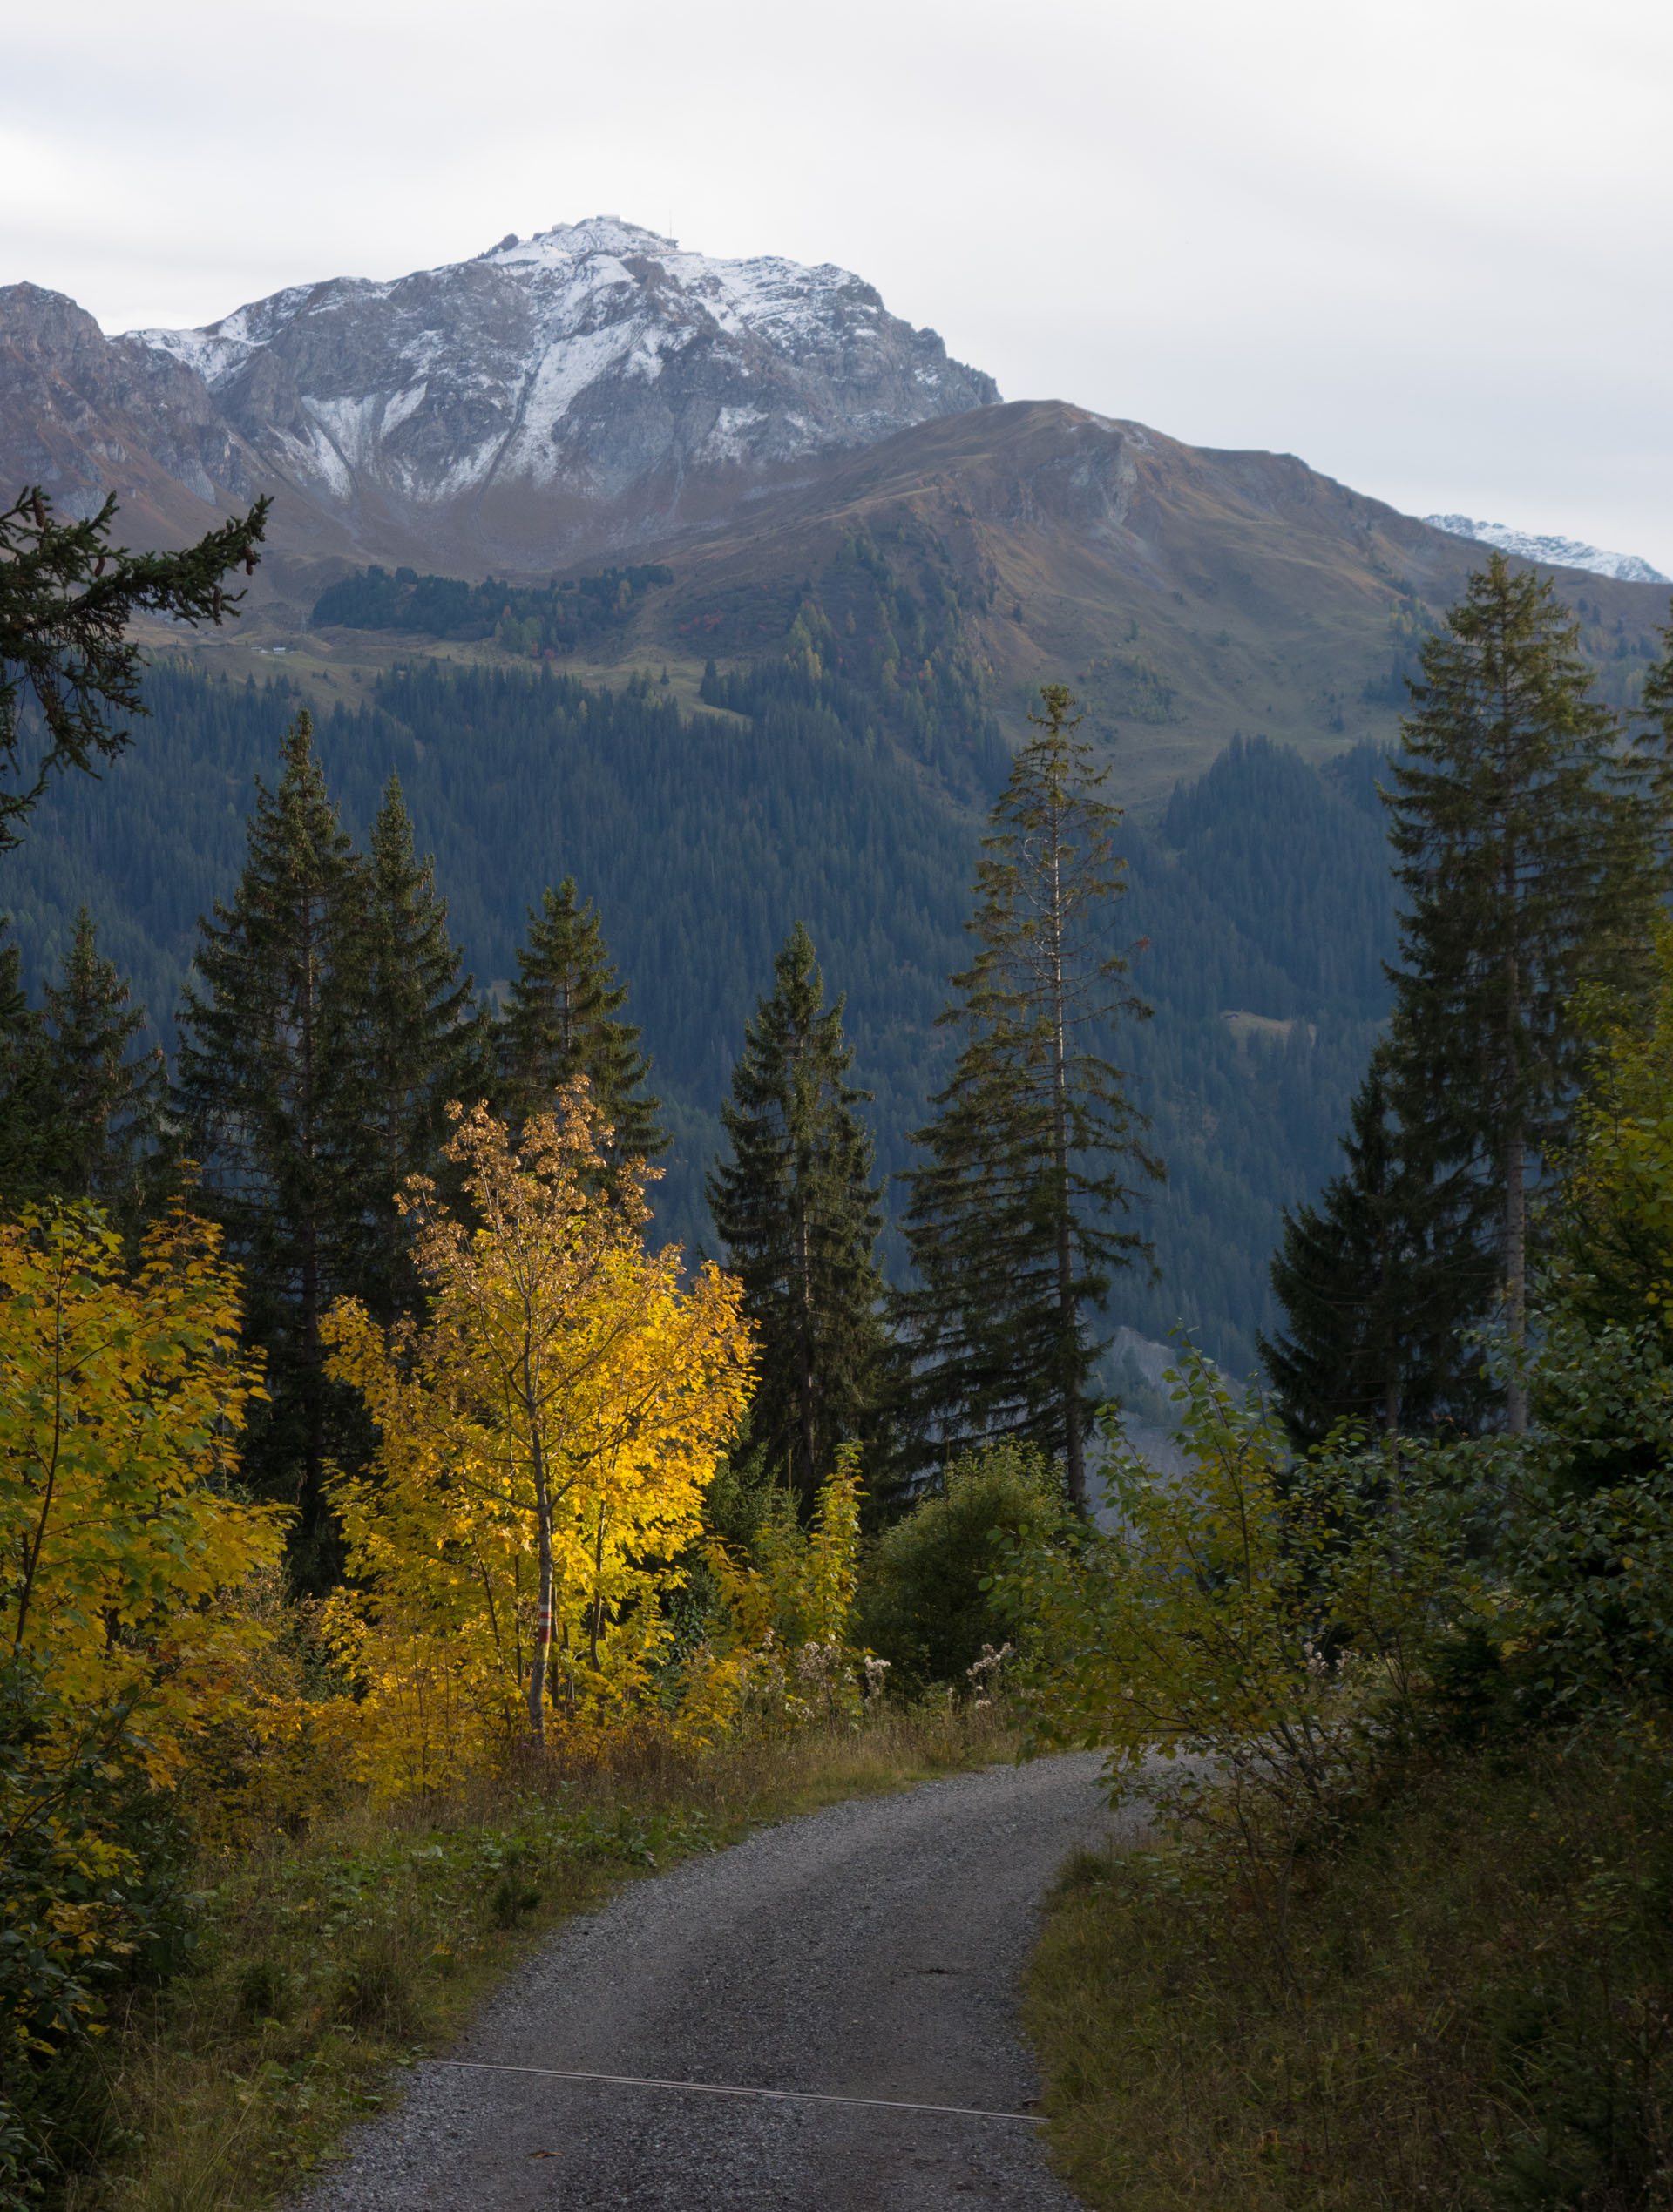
(546,1436)
(121,1400)
(126,1643)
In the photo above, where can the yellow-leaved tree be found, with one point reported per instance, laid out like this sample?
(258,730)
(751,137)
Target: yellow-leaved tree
(125,1639)
(122,1398)
(546,1438)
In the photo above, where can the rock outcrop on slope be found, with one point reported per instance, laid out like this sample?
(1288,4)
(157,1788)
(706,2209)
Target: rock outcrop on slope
(589,386)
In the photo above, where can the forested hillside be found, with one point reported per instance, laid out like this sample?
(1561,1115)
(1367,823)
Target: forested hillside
(973,871)
(701,838)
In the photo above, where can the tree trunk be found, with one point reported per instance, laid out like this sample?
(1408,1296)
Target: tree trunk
(1074,1454)
(313,1423)
(1516,1278)
(1074,1450)
(540,1659)
(804,1358)
(1515,1184)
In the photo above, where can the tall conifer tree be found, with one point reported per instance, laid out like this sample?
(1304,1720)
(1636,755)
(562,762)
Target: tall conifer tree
(1372,1281)
(424,1047)
(1014,1221)
(800,1217)
(561,1022)
(81,1114)
(1654,741)
(1531,856)
(277,1103)
(107,1103)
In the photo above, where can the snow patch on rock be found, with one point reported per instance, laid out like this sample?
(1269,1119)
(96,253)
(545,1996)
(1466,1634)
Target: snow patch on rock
(1551,552)
(598,353)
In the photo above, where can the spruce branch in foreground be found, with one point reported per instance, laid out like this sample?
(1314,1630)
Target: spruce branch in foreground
(67,597)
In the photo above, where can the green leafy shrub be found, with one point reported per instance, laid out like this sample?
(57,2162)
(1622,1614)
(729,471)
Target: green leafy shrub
(1407,1935)
(95,1902)
(923,1602)
(1484,1958)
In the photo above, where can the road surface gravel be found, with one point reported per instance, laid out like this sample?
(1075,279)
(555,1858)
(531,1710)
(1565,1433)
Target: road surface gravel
(873,1950)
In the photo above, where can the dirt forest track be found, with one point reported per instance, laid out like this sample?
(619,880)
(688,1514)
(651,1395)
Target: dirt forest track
(872,1950)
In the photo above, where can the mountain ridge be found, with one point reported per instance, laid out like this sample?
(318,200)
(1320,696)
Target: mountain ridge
(1190,595)
(1550,551)
(593,383)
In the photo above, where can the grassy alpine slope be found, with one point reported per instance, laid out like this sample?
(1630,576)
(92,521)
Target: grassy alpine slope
(1187,594)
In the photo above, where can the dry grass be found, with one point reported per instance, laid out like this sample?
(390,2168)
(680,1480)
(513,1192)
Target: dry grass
(1486,1969)
(327,1963)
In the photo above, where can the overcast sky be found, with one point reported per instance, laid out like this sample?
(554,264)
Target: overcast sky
(1424,247)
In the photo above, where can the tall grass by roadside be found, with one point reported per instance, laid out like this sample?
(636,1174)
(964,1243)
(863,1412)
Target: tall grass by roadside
(324,1963)
(1482,2019)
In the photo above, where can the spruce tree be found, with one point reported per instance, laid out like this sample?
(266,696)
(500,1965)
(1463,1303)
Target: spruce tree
(1373,1280)
(561,1023)
(277,1105)
(800,1217)
(1531,856)
(1653,742)
(1014,1221)
(106,1130)
(25,1091)
(423,1046)
(81,1114)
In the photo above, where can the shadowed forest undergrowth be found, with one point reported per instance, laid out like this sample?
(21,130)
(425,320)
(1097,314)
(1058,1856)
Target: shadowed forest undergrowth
(1482,2014)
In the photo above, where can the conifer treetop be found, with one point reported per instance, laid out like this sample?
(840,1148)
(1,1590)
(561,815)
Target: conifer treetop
(800,1216)
(562,1021)
(1526,841)
(1533,847)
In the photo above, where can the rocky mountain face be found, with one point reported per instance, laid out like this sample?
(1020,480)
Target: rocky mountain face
(591,387)
(84,414)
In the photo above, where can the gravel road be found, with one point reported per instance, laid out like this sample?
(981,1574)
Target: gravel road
(870,1950)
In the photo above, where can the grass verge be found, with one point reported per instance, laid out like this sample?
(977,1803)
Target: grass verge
(326,1964)
(1483,2018)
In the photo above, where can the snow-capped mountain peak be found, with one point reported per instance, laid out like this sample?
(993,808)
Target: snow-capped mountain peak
(1550,552)
(595,361)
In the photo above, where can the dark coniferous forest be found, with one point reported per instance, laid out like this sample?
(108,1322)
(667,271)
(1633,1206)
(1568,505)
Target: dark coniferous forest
(1263,891)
